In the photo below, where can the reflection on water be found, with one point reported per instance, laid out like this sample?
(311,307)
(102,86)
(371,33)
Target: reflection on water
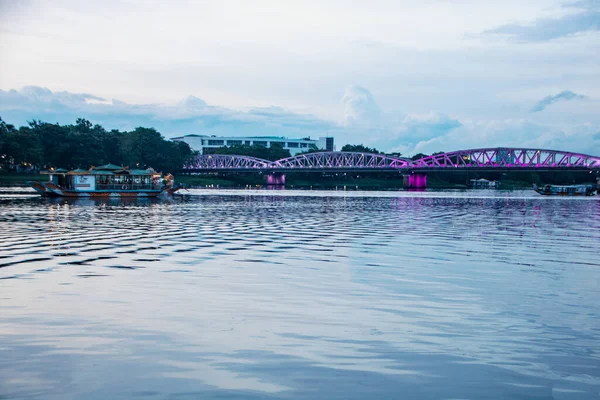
(301,295)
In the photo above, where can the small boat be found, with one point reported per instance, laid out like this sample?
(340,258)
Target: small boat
(567,190)
(105,181)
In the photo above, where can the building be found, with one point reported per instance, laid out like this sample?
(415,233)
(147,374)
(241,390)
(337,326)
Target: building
(295,146)
(484,184)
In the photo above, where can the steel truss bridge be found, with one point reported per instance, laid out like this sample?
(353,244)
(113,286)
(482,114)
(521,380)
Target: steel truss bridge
(501,158)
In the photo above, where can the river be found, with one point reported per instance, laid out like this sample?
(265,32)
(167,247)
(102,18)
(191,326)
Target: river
(301,295)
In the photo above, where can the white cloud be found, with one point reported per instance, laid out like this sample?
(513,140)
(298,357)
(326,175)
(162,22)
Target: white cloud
(516,133)
(586,19)
(415,56)
(566,95)
(360,108)
(191,115)
(367,123)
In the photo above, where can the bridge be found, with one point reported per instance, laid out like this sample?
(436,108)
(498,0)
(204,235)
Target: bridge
(496,159)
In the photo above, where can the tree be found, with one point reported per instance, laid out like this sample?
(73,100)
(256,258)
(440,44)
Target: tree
(359,148)
(312,149)
(273,153)
(7,132)
(22,148)
(417,156)
(83,144)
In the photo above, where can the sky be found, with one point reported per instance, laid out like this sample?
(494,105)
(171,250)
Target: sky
(433,75)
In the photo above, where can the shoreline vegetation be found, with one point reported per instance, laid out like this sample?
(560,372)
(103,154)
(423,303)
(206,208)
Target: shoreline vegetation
(27,150)
(510,181)
(40,146)
(201,182)
(298,181)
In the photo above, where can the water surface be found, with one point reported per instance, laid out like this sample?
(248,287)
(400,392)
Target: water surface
(301,295)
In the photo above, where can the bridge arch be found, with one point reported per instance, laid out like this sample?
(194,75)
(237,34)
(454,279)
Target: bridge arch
(505,157)
(225,162)
(485,158)
(340,160)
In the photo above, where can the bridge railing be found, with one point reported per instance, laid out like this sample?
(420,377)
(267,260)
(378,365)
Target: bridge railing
(508,158)
(340,159)
(226,161)
(517,158)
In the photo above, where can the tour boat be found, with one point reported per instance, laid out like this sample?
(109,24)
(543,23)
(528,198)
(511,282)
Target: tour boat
(568,190)
(105,181)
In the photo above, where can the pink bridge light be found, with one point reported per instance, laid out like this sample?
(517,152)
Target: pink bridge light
(490,158)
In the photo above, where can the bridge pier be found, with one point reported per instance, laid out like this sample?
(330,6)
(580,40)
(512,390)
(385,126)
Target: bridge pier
(415,181)
(275,179)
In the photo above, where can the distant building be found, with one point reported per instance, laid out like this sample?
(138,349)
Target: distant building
(295,146)
(483,184)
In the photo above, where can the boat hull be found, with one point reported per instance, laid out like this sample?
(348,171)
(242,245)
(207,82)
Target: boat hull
(48,189)
(580,191)
(565,194)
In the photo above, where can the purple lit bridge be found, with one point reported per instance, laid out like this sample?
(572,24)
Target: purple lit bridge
(414,171)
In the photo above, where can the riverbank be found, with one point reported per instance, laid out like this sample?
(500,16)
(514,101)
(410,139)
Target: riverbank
(293,181)
(241,182)
(21,179)
(302,182)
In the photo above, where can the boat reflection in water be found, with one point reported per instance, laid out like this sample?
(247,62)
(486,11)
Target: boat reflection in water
(110,201)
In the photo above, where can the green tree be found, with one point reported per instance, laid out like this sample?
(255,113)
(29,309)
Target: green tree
(359,148)
(395,154)
(22,147)
(313,149)
(6,137)
(83,144)
(273,153)
(417,156)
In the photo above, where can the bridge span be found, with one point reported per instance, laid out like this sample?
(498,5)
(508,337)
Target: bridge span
(497,159)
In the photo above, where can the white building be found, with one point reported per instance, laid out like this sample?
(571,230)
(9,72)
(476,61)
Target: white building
(295,146)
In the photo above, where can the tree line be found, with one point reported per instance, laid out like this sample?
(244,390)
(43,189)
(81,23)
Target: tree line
(273,153)
(277,152)
(359,148)
(42,145)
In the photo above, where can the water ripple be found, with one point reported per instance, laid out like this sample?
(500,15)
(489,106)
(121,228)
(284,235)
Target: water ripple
(338,295)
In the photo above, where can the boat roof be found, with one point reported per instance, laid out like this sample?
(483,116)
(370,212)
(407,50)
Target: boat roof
(109,167)
(148,171)
(78,171)
(54,171)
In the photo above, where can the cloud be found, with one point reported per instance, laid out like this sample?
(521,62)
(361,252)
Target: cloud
(412,130)
(191,115)
(360,108)
(427,127)
(367,123)
(587,19)
(192,102)
(566,95)
(521,132)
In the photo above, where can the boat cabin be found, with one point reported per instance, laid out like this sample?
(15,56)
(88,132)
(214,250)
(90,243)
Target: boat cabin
(568,190)
(108,177)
